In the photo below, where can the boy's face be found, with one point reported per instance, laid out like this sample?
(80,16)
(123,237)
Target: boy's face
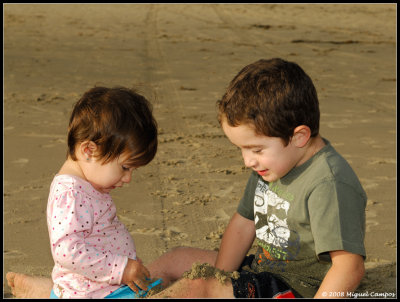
(264,154)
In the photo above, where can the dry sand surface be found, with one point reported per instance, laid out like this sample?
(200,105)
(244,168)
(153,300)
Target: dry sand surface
(182,57)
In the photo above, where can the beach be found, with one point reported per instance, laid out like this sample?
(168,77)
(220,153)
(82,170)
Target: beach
(182,57)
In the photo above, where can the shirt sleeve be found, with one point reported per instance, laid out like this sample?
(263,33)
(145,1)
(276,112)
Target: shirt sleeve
(337,218)
(71,222)
(246,205)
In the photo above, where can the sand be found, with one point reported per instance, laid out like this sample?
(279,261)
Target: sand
(182,57)
(206,271)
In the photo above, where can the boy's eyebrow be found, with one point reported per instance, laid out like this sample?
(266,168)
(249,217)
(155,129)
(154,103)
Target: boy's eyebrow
(252,146)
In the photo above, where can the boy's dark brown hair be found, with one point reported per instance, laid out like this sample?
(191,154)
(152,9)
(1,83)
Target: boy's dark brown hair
(275,96)
(117,120)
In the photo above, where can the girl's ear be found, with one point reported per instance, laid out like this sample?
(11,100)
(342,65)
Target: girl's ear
(87,149)
(301,136)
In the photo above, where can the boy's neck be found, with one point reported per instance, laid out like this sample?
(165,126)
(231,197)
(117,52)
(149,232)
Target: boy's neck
(312,147)
(316,144)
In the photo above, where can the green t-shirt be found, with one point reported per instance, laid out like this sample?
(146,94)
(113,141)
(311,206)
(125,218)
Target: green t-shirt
(316,208)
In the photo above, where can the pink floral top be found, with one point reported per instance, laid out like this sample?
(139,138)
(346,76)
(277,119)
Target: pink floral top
(90,246)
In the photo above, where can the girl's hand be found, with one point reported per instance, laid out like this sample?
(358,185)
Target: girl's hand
(135,274)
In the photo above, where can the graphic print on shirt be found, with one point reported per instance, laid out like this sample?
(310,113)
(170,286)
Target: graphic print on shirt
(278,242)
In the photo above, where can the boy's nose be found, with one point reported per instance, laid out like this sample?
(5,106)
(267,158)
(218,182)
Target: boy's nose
(249,161)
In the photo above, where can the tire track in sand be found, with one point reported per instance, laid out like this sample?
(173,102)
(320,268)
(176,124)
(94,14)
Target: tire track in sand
(176,197)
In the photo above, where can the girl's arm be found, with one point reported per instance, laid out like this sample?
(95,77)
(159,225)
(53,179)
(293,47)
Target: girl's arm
(236,242)
(343,277)
(70,219)
(135,273)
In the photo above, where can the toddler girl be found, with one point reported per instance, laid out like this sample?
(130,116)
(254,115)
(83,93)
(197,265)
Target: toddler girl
(111,132)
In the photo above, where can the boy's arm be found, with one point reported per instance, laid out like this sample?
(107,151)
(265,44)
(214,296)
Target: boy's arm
(343,277)
(236,242)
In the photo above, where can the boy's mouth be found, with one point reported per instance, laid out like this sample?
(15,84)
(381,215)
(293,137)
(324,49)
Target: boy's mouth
(262,172)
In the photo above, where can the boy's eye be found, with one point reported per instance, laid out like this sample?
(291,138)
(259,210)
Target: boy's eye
(125,168)
(257,151)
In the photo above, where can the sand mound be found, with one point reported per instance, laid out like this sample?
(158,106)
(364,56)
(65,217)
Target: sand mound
(206,271)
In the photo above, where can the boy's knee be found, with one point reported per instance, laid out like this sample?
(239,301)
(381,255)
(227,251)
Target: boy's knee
(207,288)
(196,288)
(178,249)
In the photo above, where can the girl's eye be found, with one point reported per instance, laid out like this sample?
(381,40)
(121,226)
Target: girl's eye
(125,168)
(257,151)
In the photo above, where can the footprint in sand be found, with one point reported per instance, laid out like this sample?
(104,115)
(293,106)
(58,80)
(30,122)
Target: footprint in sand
(213,236)
(219,215)
(173,233)
(339,124)
(172,214)
(13,254)
(20,161)
(126,219)
(391,243)
(55,142)
(216,235)
(367,141)
(128,222)
(370,220)
(368,183)
(224,191)
(147,231)
(380,161)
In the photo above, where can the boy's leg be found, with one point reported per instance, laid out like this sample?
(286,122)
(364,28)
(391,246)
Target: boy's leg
(24,286)
(171,265)
(197,288)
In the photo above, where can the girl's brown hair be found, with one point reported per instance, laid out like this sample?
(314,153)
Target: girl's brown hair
(117,120)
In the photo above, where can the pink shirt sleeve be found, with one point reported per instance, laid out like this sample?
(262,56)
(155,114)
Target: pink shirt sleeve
(70,222)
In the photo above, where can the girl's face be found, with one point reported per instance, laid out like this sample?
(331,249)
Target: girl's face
(106,177)
(264,154)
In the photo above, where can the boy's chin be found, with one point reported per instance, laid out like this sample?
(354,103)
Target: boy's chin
(269,178)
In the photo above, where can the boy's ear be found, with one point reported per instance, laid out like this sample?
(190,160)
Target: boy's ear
(88,149)
(301,136)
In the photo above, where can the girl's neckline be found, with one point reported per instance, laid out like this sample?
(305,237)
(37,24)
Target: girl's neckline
(82,180)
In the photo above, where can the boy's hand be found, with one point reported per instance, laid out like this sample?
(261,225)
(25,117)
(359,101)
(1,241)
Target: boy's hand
(135,274)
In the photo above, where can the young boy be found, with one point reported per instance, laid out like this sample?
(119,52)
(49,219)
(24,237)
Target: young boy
(303,203)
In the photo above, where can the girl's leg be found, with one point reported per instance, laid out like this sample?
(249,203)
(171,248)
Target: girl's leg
(169,267)
(24,286)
